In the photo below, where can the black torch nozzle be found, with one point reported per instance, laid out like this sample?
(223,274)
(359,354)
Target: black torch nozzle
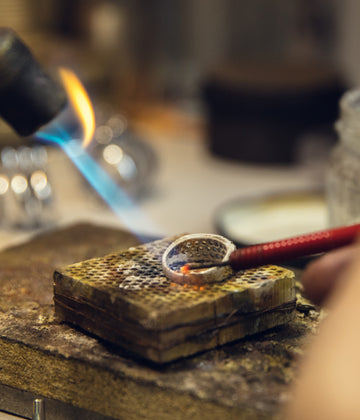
(29,97)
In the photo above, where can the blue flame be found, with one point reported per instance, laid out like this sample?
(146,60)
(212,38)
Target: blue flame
(99,179)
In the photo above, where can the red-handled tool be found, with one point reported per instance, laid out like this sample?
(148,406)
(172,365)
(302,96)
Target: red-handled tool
(286,249)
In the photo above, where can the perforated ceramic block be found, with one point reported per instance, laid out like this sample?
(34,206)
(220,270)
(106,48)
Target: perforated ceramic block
(125,298)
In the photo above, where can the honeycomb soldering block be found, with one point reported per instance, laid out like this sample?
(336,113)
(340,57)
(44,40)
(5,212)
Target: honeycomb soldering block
(126,299)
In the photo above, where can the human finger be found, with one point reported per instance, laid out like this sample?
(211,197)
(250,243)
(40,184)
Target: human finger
(321,276)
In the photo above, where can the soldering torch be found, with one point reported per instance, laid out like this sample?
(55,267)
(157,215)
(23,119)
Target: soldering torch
(29,97)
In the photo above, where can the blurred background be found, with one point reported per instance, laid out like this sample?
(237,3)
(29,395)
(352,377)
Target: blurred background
(224,110)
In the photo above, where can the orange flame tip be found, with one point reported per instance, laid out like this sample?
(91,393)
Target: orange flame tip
(185,269)
(81,103)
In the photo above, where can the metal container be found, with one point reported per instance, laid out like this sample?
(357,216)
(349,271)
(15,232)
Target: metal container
(343,177)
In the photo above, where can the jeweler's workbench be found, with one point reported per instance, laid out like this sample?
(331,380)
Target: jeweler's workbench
(80,376)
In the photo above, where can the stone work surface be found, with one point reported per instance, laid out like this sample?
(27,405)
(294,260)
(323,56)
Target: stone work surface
(249,379)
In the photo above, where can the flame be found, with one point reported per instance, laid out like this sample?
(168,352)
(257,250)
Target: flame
(61,131)
(81,103)
(185,269)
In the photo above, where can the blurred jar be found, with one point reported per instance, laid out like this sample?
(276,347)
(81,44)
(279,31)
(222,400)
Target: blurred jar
(26,195)
(343,177)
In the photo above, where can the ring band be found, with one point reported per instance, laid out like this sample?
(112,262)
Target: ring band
(198,247)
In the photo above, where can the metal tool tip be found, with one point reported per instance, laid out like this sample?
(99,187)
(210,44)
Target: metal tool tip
(202,265)
(38,410)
